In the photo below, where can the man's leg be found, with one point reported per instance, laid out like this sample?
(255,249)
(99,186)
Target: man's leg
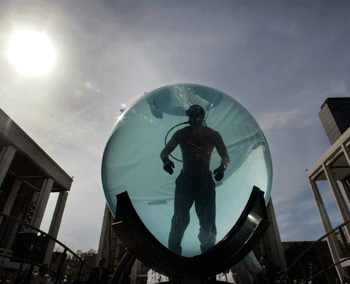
(206,211)
(181,219)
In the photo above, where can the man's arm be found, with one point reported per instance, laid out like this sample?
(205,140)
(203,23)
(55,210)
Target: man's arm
(225,159)
(164,155)
(221,148)
(174,141)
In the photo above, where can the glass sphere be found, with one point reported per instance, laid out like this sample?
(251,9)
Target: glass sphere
(131,160)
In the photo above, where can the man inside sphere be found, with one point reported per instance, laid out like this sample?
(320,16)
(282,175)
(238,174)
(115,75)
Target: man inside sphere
(195,183)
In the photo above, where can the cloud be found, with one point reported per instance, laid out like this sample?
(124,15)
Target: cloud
(284,27)
(280,119)
(338,88)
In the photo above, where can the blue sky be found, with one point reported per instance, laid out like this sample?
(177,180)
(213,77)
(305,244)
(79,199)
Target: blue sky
(279,59)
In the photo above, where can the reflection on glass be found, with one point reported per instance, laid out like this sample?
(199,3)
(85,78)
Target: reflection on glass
(131,159)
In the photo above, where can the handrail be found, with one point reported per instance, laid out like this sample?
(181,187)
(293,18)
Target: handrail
(314,245)
(51,238)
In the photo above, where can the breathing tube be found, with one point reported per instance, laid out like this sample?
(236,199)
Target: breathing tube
(168,134)
(194,112)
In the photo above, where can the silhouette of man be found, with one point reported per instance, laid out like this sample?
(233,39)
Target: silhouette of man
(41,277)
(99,274)
(195,183)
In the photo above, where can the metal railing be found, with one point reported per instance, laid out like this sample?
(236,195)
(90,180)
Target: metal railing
(38,249)
(321,269)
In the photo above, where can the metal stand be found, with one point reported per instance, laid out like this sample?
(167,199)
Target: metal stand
(241,239)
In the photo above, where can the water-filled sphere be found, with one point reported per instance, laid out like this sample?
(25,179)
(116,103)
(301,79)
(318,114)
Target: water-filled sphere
(131,160)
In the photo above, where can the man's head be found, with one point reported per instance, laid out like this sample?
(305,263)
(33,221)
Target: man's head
(101,262)
(43,269)
(196,114)
(263,261)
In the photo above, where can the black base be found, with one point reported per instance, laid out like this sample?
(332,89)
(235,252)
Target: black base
(241,239)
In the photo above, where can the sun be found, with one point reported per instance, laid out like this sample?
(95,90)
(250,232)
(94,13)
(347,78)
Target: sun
(31,52)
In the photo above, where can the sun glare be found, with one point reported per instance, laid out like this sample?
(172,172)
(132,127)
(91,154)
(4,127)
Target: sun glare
(31,52)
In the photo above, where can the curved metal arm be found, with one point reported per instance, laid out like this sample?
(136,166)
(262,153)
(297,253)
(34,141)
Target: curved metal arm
(244,235)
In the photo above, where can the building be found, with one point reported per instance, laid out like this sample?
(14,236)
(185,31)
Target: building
(27,178)
(335,117)
(112,249)
(334,167)
(270,244)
